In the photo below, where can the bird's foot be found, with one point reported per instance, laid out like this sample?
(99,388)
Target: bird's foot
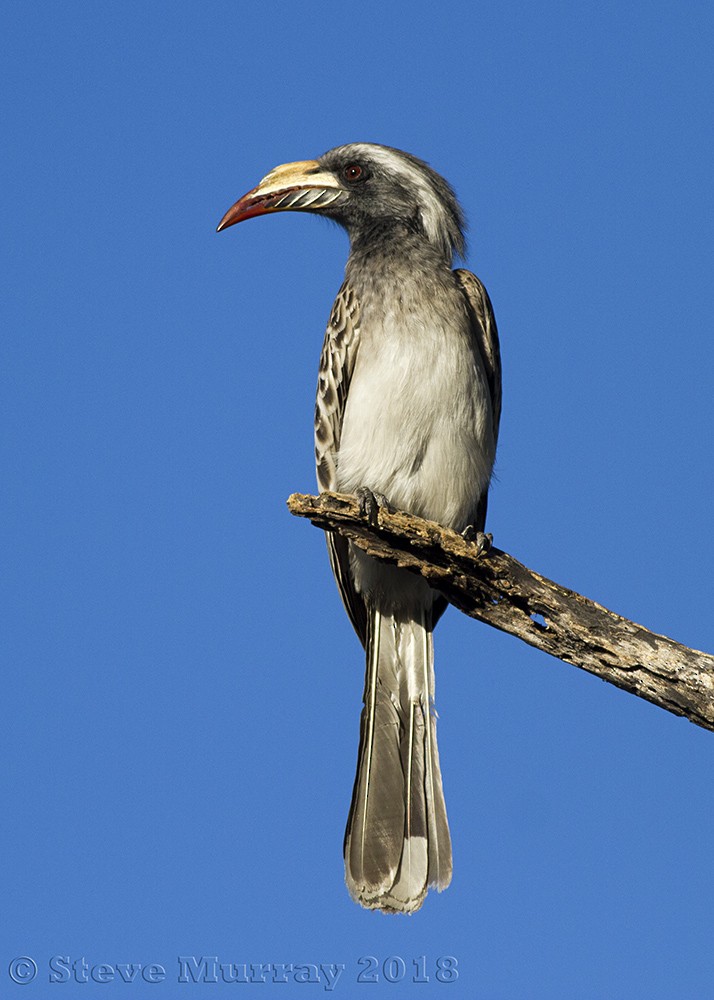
(482,541)
(369,503)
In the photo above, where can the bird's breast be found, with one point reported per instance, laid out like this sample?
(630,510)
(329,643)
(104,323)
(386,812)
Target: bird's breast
(417,421)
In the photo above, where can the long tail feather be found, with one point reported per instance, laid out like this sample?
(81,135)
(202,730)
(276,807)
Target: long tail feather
(397,843)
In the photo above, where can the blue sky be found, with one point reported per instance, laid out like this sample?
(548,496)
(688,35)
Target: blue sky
(181,688)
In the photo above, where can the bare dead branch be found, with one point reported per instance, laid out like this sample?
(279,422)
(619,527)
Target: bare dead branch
(500,591)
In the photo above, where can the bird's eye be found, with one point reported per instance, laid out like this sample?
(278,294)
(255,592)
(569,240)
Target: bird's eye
(353,172)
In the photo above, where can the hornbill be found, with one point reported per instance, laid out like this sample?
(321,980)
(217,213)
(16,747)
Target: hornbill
(407,413)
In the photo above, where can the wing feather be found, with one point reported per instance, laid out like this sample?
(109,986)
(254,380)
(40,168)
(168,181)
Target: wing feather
(486,334)
(337,360)
(483,324)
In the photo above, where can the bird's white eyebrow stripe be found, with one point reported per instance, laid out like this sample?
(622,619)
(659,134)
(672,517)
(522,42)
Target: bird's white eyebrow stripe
(395,163)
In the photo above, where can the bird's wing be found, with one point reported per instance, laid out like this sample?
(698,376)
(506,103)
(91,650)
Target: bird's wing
(339,351)
(485,333)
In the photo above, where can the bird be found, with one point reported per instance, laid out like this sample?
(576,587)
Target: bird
(406,417)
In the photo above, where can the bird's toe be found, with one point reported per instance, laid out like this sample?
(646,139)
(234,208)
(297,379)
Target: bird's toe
(483,542)
(369,503)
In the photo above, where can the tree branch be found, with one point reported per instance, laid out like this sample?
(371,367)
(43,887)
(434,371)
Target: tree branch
(500,591)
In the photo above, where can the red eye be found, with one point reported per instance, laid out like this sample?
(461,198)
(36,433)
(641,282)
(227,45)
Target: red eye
(353,172)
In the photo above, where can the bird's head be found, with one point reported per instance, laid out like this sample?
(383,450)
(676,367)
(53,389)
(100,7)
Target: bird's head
(364,187)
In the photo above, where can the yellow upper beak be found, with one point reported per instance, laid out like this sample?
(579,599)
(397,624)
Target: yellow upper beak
(301,186)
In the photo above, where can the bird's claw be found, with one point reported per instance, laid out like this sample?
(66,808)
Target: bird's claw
(482,541)
(369,503)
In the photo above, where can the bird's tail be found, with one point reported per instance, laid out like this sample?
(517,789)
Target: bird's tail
(397,843)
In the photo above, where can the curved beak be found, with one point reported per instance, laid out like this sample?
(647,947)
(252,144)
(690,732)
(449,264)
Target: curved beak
(302,186)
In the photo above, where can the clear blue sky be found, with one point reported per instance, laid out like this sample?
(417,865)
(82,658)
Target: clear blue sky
(181,688)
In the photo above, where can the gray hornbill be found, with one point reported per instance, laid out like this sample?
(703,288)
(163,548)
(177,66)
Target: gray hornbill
(408,405)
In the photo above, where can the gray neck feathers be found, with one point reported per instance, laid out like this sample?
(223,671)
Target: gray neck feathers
(423,201)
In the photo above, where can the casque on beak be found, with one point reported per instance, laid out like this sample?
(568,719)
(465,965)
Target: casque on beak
(302,186)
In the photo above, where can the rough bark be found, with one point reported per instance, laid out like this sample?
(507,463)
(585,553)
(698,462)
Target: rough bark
(497,589)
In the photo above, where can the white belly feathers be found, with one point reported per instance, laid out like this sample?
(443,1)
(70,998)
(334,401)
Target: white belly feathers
(417,424)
